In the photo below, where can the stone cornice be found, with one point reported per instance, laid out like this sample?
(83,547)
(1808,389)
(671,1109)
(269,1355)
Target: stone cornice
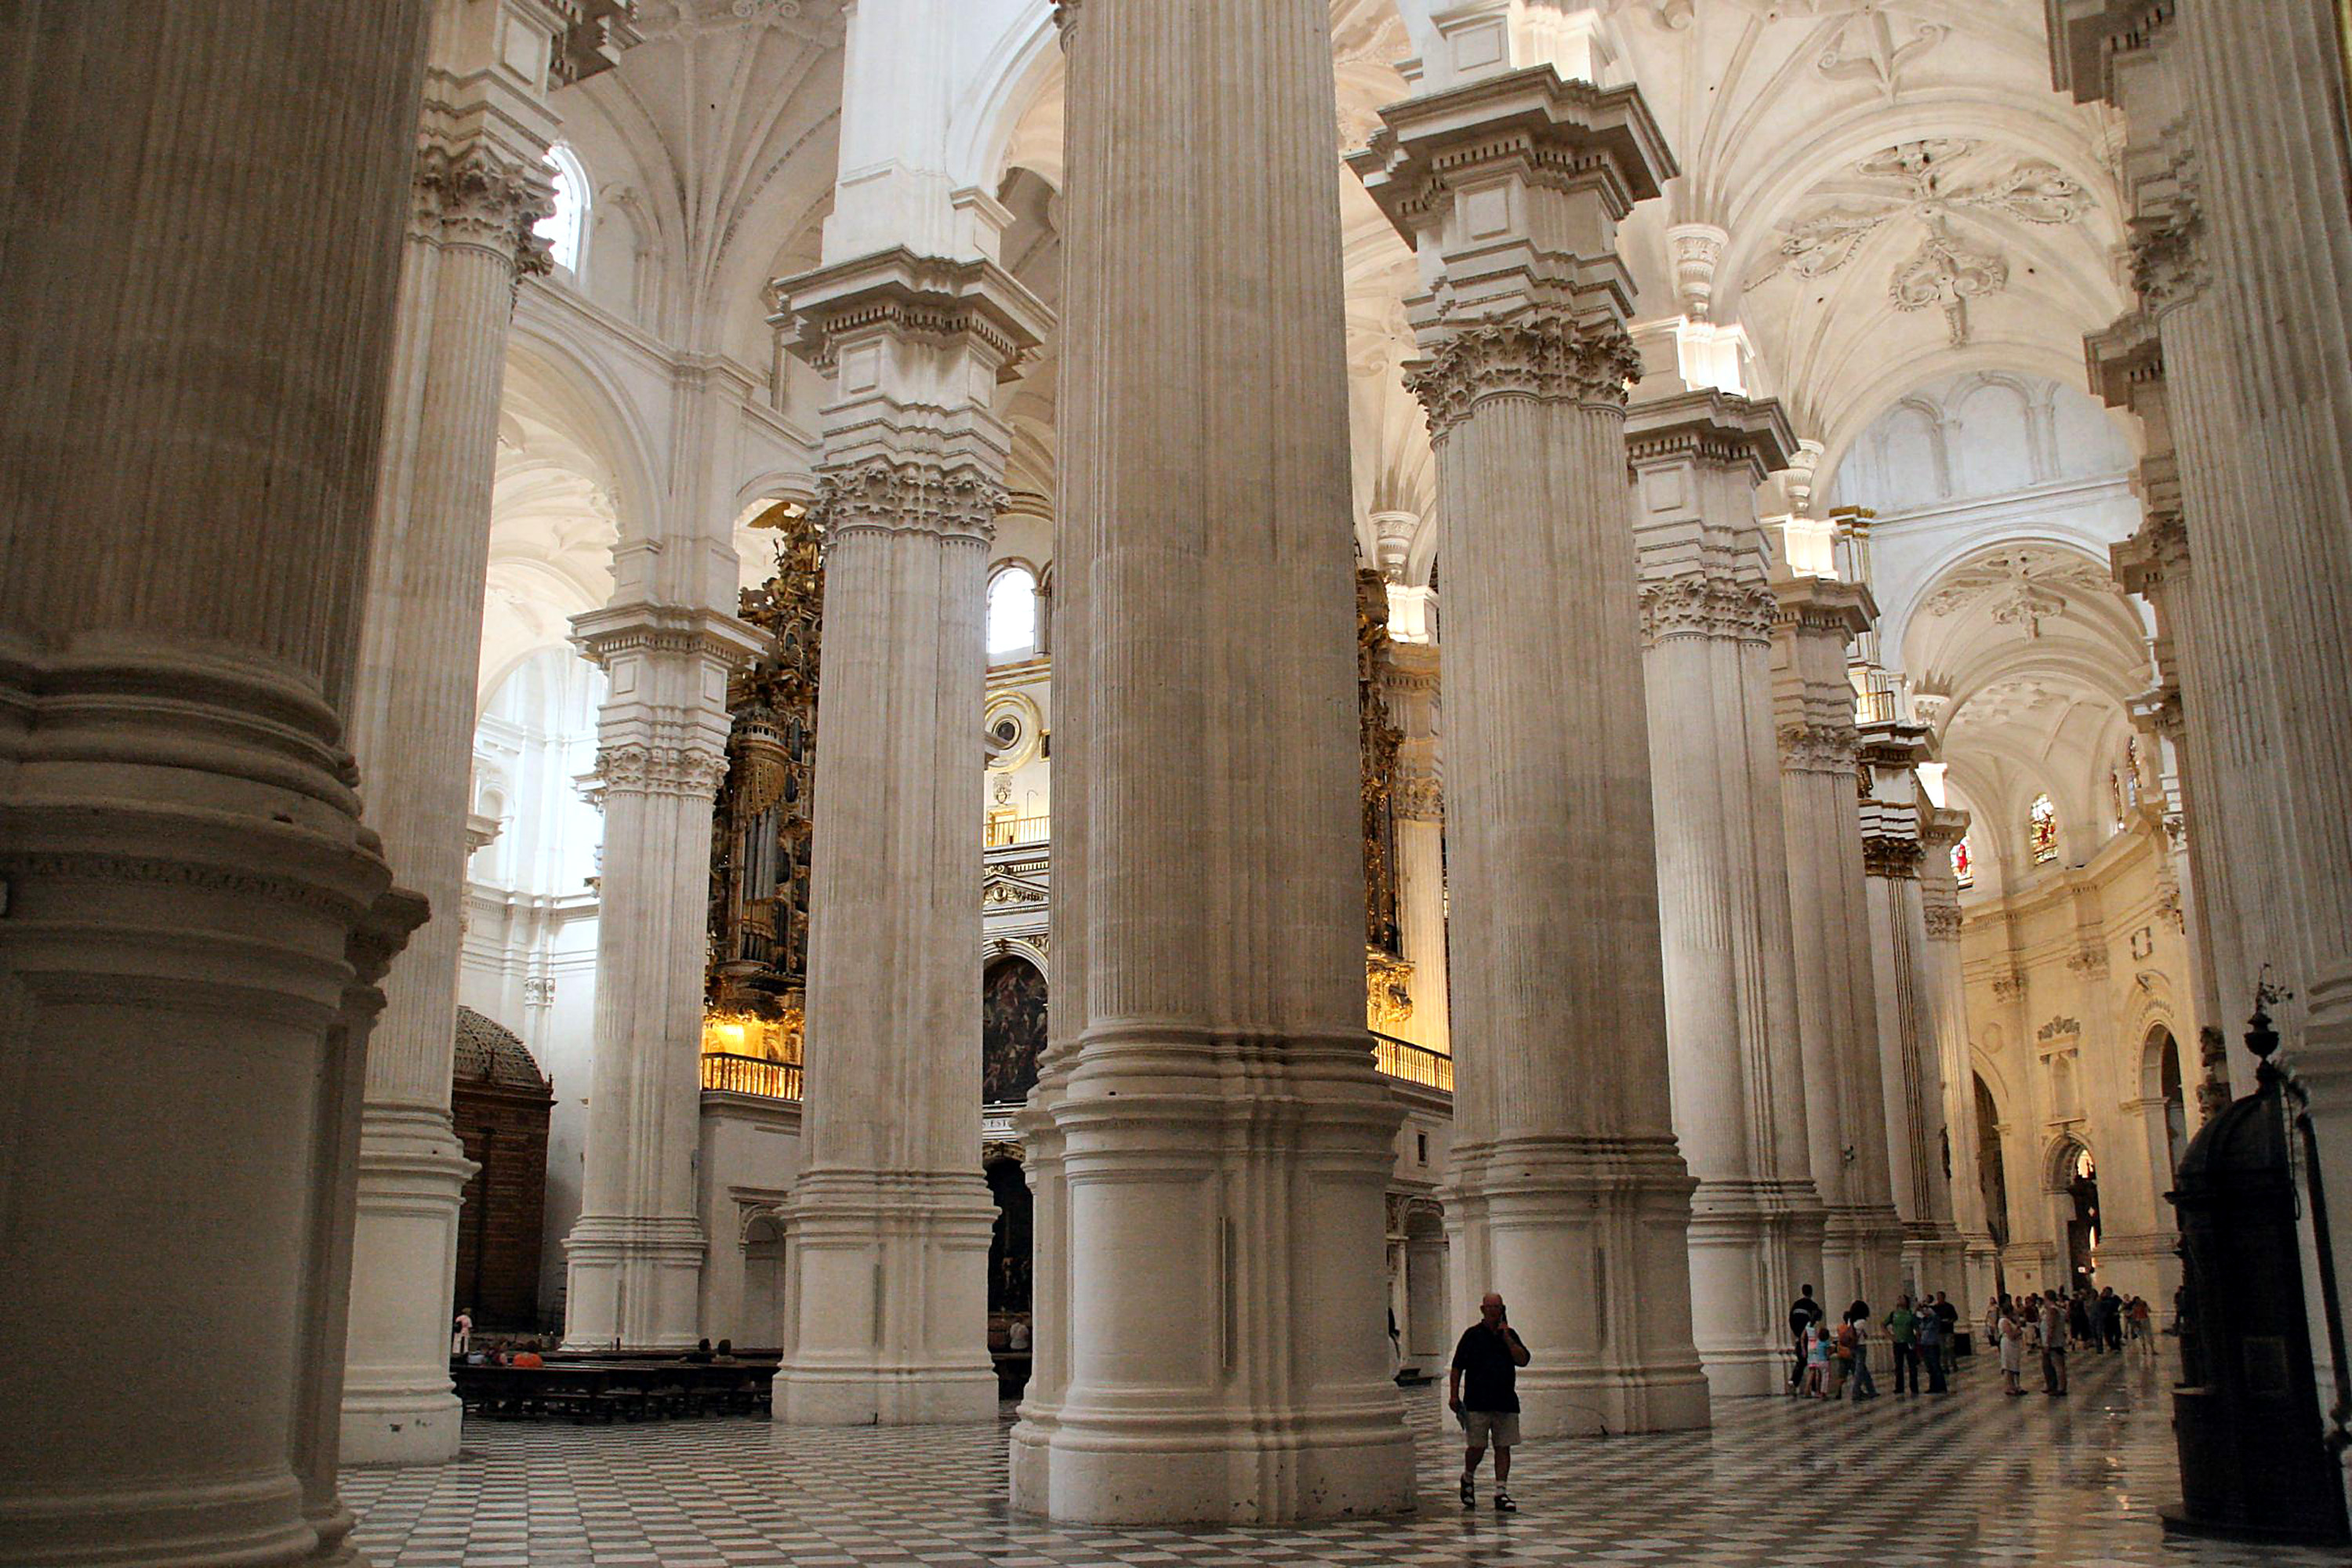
(1567,133)
(1824,605)
(1550,357)
(665,629)
(1710,426)
(2124,358)
(929,297)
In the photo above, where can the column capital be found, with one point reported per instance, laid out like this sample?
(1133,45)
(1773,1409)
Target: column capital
(2168,263)
(1552,358)
(1817,748)
(883,495)
(472,195)
(1707,601)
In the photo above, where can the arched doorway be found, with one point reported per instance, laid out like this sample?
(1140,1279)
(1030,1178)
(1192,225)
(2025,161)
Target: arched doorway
(1012,1029)
(2166,1054)
(2073,1181)
(763,1282)
(1992,1180)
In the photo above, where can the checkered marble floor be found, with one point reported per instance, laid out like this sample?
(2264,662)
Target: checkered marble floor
(1974,1479)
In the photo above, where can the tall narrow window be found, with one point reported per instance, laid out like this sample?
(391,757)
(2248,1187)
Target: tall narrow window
(1012,615)
(1963,873)
(563,227)
(2042,830)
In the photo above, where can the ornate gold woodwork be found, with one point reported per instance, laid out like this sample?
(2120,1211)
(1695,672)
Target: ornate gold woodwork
(762,822)
(1380,741)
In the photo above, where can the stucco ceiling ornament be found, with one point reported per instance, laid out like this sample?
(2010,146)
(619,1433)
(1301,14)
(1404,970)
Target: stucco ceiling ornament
(2018,587)
(1946,270)
(1867,48)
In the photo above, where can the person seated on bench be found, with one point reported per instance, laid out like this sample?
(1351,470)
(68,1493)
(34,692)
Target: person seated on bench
(528,1356)
(700,1354)
(725,1354)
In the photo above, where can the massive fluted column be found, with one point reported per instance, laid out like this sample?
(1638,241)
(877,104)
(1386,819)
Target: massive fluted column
(1910,1062)
(1837,1020)
(1420,800)
(1567,1193)
(1940,831)
(1208,1143)
(889,1222)
(197,315)
(1732,1039)
(479,187)
(634,1259)
(2242,245)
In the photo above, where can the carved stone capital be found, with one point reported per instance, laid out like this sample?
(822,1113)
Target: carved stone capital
(1419,797)
(642,768)
(472,196)
(1895,858)
(2008,986)
(1943,921)
(909,496)
(1811,748)
(1706,604)
(2167,250)
(1551,358)
(2090,963)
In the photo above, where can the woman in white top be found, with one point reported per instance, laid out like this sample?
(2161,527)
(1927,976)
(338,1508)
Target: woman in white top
(2010,1333)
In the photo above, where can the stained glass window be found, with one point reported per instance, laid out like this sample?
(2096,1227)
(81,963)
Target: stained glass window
(1963,872)
(2042,830)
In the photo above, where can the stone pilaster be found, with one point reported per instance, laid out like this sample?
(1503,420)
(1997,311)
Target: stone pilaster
(1208,1142)
(197,315)
(1911,1065)
(889,1221)
(1567,1193)
(479,185)
(1732,1035)
(1837,1016)
(1941,828)
(634,1259)
(1413,704)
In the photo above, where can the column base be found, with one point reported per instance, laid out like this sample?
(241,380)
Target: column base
(1862,1254)
(633,1283)
(886,1324)
(1208,1466)
(398,1408)
(1587,1239)
(1752,1244)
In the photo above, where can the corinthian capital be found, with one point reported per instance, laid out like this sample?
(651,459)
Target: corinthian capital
(1814,748)
(646,768)
(1550,357)
(471,196)
(1708,604)
(908,495)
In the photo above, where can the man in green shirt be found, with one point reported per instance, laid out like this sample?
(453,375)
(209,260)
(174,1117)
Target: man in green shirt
(1902,1328)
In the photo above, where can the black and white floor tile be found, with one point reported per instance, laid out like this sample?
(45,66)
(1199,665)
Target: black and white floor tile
(1974,1479)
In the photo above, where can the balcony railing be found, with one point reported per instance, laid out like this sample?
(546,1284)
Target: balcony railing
(750,1075)
(1409,1063)
(1010,830)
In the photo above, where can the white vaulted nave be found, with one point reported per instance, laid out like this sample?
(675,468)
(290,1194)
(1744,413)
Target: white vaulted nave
(898,780)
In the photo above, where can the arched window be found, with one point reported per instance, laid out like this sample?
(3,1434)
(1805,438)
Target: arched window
(2042,830)
(1964,872)
(1012,615)
(567,225)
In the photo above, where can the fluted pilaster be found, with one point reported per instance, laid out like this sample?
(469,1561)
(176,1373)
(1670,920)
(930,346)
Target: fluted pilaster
(888,1223)
(1208,1143)
(476,198)
(197,313)
(634,1259)
(1568,1193)
(1837,1022)
(1732,1036)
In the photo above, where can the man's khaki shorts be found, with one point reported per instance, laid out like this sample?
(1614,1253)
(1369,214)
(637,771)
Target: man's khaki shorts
(1491,1428)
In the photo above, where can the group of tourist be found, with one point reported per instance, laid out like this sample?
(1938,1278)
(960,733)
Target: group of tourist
(1831,1359)
(2047,1326)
